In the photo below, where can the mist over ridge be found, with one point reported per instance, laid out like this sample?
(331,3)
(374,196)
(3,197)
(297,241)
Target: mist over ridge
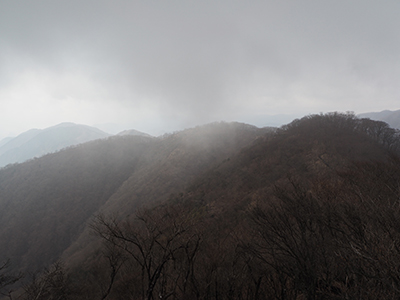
(176,65)
(37,142)
(211,195)
(231,150)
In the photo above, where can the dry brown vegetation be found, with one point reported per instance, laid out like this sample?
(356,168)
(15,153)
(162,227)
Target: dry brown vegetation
(310,211)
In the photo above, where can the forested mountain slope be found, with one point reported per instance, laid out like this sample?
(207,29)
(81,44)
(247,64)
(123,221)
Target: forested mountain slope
(179,158)
(174,162)
(45,203)
(317,146)
(221,211)
(308,213)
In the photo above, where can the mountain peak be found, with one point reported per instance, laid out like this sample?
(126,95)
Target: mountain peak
(133,132)
(63,124)
(37,142)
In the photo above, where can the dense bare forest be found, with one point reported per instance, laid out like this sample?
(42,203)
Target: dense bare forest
(223,211)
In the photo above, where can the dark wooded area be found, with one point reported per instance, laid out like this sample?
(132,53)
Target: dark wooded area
(229,211)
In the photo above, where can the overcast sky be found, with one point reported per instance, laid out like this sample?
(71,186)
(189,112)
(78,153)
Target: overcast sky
(160,66)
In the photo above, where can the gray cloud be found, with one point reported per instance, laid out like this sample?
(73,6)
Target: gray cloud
(169,64)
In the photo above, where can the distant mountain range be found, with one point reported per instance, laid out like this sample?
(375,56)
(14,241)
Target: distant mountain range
(220,211)
(388,116)
(38,142)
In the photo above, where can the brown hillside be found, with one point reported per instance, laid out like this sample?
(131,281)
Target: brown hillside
(45,202)
(309,213)
(230,211)
(175,161)
(316,146)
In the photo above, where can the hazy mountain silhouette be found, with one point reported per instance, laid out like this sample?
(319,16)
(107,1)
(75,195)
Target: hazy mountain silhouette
(388,116)
(5,141)
(36,142)
(19,140)
(133,132)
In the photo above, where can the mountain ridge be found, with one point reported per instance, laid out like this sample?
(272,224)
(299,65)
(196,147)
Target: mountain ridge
(97,171)
(205,212)
(38,142)
(387,116)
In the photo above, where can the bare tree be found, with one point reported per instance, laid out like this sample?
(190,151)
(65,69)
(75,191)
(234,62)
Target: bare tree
(160,247)
(51,284)
(7,279)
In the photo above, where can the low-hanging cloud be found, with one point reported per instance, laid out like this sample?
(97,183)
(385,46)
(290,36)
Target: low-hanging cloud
(181,63)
